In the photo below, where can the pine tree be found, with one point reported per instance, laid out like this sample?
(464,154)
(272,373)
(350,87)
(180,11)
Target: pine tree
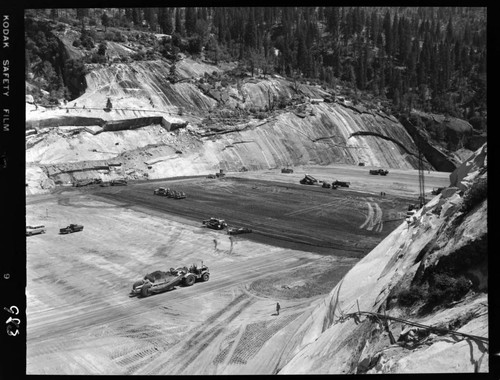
(190,21)
(178,22)
(165,20)
(388,33)
(105,21)
(136,16)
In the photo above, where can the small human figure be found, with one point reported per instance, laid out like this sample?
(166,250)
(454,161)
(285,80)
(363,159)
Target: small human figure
(278,307)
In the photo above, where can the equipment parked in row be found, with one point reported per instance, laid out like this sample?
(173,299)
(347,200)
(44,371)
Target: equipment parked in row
(379,171)
(308,180)
(215,223)
(336,184)
(176,194)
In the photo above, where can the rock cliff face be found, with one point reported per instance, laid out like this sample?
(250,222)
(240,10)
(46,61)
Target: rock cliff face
(431,273)
(154,114)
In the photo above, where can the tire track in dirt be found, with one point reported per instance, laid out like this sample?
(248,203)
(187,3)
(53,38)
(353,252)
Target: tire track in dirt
(369,216)
(373,220)
(207,338)
(52,325)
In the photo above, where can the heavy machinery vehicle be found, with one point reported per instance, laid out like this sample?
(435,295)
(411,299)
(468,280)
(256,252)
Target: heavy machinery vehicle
(35,230)
(340,184)
(118,182)
(162,191)
(287,170)
(379,171)
(326,185)
(87,182)
(71,228)
(176,194)
(437,190)
(238,230)
(215,223)
(160,281)
(308,180)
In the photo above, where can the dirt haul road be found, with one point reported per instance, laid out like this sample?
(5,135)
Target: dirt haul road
(81,320)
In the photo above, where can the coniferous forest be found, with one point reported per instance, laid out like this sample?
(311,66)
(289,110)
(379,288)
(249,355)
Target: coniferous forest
(427,58)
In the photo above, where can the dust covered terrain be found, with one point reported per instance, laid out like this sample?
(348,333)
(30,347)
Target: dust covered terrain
(81,320)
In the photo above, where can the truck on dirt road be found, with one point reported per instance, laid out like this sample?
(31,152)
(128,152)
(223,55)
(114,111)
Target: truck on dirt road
(71,228)
(379,171)
(160,281)
(336,184)
(215,223)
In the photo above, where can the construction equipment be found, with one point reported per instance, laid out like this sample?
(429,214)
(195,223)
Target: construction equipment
(118,182)
(340,184)
(308,180)
(176,194)
(160,281)
(379,171)
(215,223)
(71,228)
(87,182)
(326,185)
(35,230)
(437,190)
(162,191)
(238,230)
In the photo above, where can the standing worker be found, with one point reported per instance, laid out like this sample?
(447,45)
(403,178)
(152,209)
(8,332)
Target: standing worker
(278,308)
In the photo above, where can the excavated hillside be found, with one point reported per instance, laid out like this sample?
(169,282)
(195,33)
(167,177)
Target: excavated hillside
(198,122)
(417,303)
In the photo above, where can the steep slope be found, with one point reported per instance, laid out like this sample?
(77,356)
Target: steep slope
(431,272)
(252,123)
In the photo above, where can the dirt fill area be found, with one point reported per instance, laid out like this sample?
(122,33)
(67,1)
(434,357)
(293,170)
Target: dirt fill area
(80,319)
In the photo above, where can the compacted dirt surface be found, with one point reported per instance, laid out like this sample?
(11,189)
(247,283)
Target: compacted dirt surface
(81,319)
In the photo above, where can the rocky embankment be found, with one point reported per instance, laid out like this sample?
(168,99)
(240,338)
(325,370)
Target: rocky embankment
(417,303)
(196,122)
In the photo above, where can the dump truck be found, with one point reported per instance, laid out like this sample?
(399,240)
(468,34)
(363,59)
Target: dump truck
(35,230)
(308,180)
(71,228)
(215,223)
(379,171)
(162,281)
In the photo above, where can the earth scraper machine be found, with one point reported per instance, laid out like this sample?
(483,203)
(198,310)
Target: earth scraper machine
(162,281)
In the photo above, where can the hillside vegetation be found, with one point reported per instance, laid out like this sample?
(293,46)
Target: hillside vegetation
(432,59)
